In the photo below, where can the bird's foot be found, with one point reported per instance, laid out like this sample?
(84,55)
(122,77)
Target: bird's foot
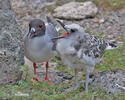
(47,80)
(36,79)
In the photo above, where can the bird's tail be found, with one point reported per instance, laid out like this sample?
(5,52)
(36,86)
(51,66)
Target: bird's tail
(111,45)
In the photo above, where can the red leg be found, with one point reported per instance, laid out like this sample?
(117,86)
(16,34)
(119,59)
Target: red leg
(36,79)
(34,65)
(46,77)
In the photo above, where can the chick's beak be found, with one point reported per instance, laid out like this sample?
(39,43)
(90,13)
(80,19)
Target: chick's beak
(62,36)
(65,34)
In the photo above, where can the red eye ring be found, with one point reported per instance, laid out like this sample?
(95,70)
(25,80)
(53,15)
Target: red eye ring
(41,25)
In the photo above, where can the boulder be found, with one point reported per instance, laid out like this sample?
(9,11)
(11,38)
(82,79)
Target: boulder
(111,81)
(11,56)
(76,10)
(5,4)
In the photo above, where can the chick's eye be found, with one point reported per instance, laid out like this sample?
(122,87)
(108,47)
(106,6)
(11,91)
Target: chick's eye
(41,25)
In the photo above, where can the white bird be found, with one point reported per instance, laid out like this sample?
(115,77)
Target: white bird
(38,46)
(80,50)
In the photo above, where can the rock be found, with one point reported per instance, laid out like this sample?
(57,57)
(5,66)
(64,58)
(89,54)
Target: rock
(60,74)
(65,75)
(41,3)
(76,10)
(96,20)
(112,81)
(112,24)
(106,22)
(5,4)
(68,77)
(11,56)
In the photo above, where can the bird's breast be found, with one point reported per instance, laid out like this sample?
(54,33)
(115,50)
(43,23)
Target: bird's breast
(38,50)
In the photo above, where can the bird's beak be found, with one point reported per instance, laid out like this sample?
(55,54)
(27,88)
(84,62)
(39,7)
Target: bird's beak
(32,32)
(64,34)
(63,25)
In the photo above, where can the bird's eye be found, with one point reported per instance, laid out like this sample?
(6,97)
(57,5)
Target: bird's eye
(73,30)
(41,25)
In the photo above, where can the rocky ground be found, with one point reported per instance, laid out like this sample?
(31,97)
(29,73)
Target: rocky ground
(11,56)
(111,23)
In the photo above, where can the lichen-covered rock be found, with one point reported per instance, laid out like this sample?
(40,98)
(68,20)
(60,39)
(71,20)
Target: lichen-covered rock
(76,10)
(112,81)
(11,56)
(5,4)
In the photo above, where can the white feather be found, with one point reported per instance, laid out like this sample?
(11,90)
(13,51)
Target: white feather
(110,47)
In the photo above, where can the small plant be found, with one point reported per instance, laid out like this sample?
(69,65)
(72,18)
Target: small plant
(110,4)
(50,8)
(27,74)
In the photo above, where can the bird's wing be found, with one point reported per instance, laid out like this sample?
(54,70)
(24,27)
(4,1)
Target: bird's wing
(51,31)
(64,46)
(91,46)
(90,49)
(51,28)
(50,21)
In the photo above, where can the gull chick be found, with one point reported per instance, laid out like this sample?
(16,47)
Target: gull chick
(80,50)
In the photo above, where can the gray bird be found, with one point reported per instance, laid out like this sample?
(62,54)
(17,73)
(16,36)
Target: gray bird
(38,44)
(80,50)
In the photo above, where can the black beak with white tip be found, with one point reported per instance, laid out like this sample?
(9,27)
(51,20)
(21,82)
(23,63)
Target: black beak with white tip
(32,32)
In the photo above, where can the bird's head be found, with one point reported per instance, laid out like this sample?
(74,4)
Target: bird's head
(36,28)
(70,30)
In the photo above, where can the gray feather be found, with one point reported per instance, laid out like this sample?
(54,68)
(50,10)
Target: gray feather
(51,31)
